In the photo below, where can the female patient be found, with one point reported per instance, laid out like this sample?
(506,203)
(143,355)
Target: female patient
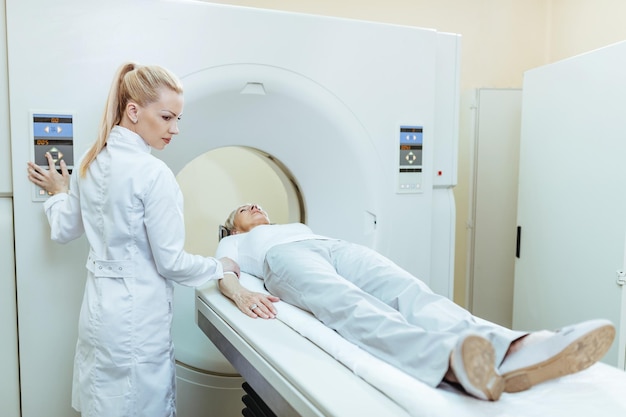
(386,311)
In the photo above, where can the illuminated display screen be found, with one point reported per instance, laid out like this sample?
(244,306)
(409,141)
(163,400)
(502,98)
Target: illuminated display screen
(411,145)
(411,154)
(411,136)
(54,134)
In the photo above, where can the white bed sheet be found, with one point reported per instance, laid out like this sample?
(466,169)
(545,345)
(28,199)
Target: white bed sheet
(599,390)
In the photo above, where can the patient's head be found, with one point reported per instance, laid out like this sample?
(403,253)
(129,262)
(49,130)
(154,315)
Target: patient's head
(245,218)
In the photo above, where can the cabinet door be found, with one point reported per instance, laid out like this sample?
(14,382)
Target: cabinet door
(572,194)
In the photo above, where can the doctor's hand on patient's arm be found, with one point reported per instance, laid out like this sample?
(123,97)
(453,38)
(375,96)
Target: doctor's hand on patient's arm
(252,304)
(49,179)
(230,266)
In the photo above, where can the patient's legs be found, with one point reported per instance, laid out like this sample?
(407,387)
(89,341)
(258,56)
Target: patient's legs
(418,340)
(533,359)
(382,278)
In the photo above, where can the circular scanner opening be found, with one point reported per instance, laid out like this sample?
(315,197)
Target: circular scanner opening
(213,184)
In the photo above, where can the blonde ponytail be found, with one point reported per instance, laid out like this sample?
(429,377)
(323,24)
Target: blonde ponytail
(132,82)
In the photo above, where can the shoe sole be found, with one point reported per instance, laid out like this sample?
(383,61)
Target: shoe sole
(578,355)
(479,358)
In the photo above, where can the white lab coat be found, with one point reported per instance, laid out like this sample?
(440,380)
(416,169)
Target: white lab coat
(129,205)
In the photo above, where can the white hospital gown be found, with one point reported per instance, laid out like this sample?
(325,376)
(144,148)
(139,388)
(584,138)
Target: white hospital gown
(365,297)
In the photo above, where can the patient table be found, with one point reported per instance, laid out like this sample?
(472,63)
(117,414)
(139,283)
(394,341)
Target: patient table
(299,367)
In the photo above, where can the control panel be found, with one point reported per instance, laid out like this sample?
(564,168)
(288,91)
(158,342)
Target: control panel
(53,133)
(410,140)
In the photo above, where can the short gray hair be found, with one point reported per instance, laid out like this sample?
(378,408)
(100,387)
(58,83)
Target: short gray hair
(229,224)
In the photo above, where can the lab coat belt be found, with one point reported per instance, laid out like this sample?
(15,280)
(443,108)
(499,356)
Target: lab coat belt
(110,268)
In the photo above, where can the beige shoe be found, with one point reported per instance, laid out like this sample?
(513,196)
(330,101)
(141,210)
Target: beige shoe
(569,350)
(473,364)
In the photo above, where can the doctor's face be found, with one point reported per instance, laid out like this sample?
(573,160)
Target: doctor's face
(249,216)
(157,122)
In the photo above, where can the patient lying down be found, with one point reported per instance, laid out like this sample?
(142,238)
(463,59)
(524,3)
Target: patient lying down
(394,316)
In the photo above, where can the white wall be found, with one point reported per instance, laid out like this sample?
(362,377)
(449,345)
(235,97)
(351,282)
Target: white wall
(578,26)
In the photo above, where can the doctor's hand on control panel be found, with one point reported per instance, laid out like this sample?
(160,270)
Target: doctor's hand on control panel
(49,179)
(391,314)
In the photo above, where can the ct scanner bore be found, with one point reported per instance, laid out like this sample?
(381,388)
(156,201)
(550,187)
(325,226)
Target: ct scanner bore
(213,184)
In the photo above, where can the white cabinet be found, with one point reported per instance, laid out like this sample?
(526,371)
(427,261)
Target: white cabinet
(572,194)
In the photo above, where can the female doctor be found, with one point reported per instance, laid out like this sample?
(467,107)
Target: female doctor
(130,207)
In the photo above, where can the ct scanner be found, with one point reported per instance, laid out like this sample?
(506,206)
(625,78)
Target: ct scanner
(357,120)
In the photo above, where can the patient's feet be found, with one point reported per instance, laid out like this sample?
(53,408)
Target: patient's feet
(472,365)
(542,356)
